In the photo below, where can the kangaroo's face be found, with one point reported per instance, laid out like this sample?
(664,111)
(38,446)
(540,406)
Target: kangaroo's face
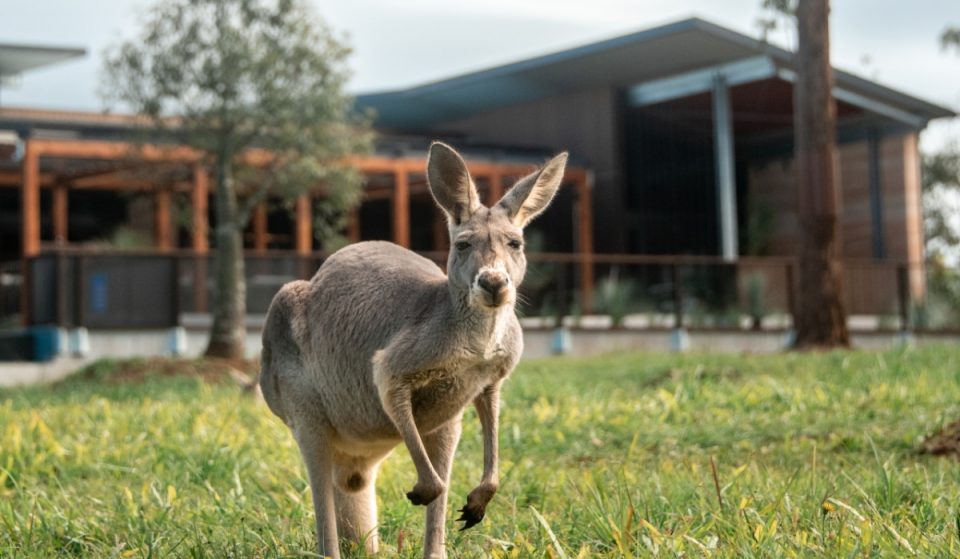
(486,259)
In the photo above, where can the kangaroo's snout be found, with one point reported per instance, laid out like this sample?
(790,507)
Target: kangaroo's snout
(492,283)
(492,287)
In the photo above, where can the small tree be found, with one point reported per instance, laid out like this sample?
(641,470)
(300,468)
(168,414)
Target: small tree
(227,77)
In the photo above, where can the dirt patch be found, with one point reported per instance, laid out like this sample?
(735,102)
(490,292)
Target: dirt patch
(700,374)
(211,370)
(946,442)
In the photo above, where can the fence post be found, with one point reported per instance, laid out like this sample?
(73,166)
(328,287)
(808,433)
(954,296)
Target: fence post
(61,274)
(175,289)
(791,294)
(677,297)
(79,297)
(903,297)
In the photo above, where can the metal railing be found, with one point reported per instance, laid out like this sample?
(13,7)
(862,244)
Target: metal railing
(148,289)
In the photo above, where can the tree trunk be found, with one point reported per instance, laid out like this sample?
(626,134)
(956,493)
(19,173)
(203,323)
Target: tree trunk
(228,331)
(821,319)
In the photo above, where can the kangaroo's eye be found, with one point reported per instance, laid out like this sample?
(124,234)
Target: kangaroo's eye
(514,244)
(462,245)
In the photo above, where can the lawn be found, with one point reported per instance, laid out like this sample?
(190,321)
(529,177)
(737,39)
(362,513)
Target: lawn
(620,456)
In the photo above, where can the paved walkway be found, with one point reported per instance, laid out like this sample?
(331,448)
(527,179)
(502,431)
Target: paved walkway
(20,373)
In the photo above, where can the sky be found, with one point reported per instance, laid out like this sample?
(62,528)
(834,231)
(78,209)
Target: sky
(399,43)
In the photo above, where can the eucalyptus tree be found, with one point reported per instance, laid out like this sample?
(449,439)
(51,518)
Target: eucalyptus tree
(257,87)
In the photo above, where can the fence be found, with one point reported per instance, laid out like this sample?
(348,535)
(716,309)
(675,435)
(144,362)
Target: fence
(122,289)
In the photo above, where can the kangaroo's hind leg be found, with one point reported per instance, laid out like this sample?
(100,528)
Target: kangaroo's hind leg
(441,445)
(356,500)
(317,455)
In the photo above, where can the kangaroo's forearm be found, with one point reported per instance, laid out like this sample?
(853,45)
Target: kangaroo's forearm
(488,410)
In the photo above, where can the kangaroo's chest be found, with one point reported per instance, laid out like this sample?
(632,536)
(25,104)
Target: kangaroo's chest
(442,394)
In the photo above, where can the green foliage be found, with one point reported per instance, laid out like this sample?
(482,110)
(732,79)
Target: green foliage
(941,203)
(776,14)
(950,38)
(228,76)
(756,298)
(616,297)
(608,457)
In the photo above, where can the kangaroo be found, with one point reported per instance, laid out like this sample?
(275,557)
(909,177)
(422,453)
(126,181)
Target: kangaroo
(380,347)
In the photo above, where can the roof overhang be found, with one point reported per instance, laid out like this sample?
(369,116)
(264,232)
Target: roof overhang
(16,59)
(673,57)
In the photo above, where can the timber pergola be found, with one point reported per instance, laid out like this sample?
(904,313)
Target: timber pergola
(406,174)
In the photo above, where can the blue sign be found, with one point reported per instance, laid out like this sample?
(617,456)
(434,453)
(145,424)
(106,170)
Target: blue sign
(98,293)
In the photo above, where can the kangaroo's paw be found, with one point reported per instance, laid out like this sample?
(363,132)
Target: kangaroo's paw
(471,516)
(473,512)
(424,494)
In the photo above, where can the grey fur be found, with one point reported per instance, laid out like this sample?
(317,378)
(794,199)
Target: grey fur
(381,347)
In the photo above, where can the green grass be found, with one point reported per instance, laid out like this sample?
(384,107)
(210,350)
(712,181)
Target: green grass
(815,455)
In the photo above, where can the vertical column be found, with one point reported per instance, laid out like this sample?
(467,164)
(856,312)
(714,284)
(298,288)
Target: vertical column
(30,202)
(496,187)
(199,197)
(913,210)
(260,227)
(162,231)
(585,239)
(303,228)
(60,213)
(724,165)
(401,206)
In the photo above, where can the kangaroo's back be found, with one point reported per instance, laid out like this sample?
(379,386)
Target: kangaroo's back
(364,294)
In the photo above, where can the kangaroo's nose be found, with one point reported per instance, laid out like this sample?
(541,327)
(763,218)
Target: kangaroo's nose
(492,283)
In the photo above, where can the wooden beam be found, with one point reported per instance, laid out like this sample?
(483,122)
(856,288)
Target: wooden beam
(162,228)
(60,213)
(303,228)
(260,227)
(585,239)
(401,207)
(30,201)
(89,149)
(199,197)
(14,179)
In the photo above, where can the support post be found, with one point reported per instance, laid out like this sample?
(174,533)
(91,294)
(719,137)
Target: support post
(725,169)
(199,196)
(401,207)
(30,202)
(496,188)
(303,234)
(260,227)
(60,213)
(201,245)
(162,231)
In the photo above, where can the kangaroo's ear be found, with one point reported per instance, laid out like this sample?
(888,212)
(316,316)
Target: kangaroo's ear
(450,183)
(533,193)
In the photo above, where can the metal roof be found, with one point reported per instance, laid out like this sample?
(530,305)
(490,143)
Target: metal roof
(16,59)
(620,62)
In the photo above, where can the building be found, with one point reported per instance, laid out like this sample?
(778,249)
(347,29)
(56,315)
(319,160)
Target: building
(681,138)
